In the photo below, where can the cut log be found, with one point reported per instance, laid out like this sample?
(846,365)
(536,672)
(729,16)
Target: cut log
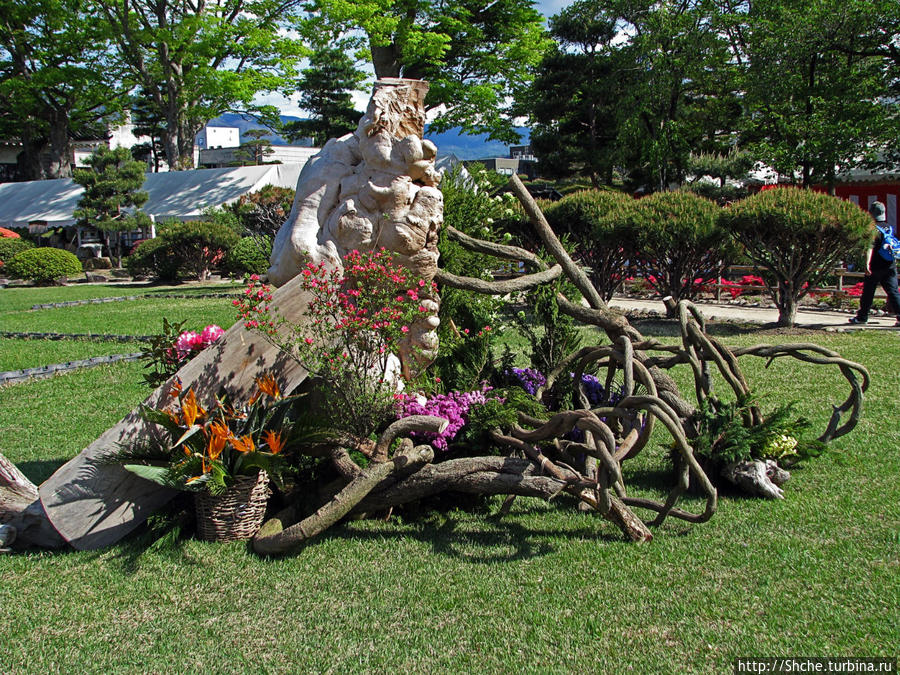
(93,503)
(21,514)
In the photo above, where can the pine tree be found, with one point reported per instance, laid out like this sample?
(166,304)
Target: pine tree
(325,92)
(112,196)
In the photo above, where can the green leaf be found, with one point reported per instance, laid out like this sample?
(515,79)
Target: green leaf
(161,475)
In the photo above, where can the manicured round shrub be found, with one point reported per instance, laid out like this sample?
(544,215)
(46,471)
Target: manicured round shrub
(597,223)
(677,241)
(249,256)
(796,236)
(10,246)
(44,265)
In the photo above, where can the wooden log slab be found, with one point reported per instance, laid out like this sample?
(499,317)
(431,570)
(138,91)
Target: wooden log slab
(92,503)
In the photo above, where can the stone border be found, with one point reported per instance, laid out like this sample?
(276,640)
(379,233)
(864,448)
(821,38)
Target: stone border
(92,337)
(122,298)
(41,372)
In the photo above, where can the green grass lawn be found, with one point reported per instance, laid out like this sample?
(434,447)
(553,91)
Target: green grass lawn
(546,589)
(129,317)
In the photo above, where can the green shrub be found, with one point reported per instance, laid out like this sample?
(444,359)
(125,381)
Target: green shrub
(677,239)
(464,359)
(189,249)
(10,246)
(796,236)
(247,257)
(44,265)
(597,224)
(152,259)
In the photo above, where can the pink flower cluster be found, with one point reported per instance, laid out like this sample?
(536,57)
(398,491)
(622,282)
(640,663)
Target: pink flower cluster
(189,343)
(253,306)
(453,407)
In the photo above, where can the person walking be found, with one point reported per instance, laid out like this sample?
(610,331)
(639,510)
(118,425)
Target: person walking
(880,269)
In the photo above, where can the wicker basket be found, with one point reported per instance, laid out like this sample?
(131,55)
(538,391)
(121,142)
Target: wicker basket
(236,514)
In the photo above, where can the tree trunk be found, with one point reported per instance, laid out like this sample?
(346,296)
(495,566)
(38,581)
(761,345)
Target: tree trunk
(384,60)
(29,160)
(273,541)
(59,146)
(787,306)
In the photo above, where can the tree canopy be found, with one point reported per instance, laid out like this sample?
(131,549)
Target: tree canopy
(56,80)
(195,61)
(638,87)
(476,54)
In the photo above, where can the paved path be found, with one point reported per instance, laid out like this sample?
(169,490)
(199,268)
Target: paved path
(819,319)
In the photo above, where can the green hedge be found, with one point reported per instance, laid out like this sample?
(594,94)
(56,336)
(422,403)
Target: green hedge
(44,265)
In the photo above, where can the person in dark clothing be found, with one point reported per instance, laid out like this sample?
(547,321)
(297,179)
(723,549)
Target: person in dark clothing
(880,269)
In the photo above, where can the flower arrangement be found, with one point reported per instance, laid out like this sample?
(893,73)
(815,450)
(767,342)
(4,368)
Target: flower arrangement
(174,347)
(207,449)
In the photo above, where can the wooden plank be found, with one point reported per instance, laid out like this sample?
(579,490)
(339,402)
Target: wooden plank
(93,504)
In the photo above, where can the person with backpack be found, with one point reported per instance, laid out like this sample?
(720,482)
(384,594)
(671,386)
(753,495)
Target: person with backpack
(881,266)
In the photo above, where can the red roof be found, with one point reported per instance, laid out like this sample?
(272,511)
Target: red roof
(8,233)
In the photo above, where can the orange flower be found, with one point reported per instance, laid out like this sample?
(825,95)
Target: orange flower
(243,444)
(218,437)
(274,441)
(190,409)
(176,388)
(268,385)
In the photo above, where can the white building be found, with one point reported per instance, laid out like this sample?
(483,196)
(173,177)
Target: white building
(219,137)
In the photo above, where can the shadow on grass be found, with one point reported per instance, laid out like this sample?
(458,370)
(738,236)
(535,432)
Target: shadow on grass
(479,542)
(39,470)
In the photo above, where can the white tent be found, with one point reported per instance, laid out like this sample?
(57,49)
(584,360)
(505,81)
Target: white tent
(182,195)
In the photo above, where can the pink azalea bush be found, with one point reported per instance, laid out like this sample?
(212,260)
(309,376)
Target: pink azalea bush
(170,350)
(355,322)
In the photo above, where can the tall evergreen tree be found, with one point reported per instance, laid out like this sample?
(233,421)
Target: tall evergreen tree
(325,92)
(574,99)
(112,196)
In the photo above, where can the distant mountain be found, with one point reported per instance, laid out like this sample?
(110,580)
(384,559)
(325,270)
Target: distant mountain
(448,143)
(472,147)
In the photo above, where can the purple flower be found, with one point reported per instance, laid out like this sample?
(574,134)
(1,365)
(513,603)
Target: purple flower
(453,407)
(530,379)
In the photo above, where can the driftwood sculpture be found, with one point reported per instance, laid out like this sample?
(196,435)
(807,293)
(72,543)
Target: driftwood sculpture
(357,199)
